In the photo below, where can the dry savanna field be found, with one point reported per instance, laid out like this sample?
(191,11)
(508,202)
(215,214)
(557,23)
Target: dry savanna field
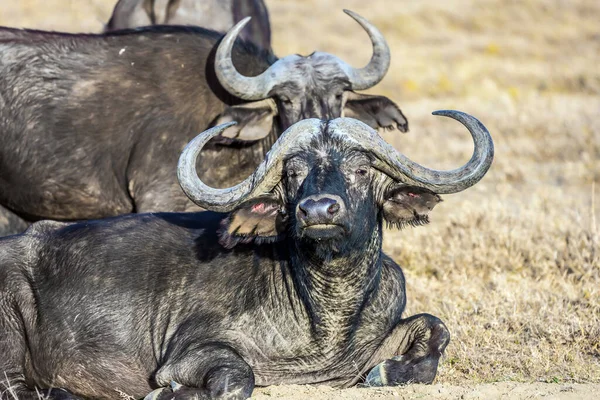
(512,266)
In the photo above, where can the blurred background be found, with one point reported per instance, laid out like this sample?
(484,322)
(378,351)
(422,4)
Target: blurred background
(511,265)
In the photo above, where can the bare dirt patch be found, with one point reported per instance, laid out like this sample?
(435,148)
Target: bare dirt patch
(489,391)
(513,265)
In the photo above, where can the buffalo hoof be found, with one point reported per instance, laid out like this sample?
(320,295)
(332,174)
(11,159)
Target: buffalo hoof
(53,394)
(157,394)
(400,371)
(180,392)
(164,393)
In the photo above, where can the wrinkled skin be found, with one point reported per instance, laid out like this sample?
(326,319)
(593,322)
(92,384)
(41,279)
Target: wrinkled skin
(286,289)
(218,15)
(91,126)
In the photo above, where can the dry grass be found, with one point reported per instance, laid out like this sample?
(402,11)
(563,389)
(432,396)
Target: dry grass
(513,265)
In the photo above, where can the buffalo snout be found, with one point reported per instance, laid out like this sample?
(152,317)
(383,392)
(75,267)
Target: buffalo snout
(321,216)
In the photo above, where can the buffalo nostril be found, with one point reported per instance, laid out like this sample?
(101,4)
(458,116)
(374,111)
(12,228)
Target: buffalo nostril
(333,209)
(303,213)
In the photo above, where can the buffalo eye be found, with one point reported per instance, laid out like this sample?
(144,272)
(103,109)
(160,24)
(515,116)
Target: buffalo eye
(361,171)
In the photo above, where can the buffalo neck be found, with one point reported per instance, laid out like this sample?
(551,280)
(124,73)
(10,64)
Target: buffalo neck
(335,287)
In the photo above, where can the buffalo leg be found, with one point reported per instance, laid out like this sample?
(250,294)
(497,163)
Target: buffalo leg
(419,342)
(12,340)
(17,305)
(22,393)
(10,223)
(210,372)
(12,356)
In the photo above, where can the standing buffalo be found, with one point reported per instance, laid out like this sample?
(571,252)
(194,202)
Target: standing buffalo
(91,125)
(218,15)
(291,286)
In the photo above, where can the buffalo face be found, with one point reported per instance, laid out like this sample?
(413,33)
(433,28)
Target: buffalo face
(317,86)
(329,194)
(309,87)
(329,200)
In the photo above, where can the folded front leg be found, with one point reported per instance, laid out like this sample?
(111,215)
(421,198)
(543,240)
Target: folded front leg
(418,343)
(214,371)
(21,392)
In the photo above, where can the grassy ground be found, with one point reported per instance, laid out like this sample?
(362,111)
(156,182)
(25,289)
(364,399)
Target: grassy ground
(512,265)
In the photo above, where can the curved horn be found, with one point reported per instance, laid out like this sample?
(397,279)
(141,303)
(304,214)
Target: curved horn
(400,168)
(266,176)
(244,87)
(375,70)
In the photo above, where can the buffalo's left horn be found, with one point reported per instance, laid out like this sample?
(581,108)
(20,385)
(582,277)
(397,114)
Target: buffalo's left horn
(267,175)
(375,70)
(244,87)
(400,168)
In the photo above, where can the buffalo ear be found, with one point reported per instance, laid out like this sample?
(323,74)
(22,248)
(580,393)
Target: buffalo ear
(259,220)
(254,120)
(408,205)
(375,111)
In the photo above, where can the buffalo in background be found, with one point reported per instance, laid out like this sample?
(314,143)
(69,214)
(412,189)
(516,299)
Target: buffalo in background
(218,15)
(91,125)
(289,286)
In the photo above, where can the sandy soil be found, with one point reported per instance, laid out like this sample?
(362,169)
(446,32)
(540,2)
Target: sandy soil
(490,391)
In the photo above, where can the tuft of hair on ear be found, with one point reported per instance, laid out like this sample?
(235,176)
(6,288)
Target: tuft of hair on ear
(261,220)
(417,220)
(406,205)
(228,240)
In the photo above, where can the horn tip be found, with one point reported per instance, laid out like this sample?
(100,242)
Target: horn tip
(351,13)
(240,25)
(444,112)
(227,124)
(457,115)
(214,131)
(454,114)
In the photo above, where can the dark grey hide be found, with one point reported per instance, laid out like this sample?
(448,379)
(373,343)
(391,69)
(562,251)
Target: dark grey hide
(91,125)
(10,223)
(291,287)
(218,15)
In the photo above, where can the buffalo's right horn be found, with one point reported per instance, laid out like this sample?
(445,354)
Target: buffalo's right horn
(375,70)
(267,175)
(400,168)
(457,180)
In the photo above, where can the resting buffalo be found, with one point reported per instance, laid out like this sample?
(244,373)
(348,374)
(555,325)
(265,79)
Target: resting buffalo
(287,285)
(91,125)
(218,15)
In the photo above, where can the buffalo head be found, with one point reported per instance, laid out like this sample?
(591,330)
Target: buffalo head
(319,85)
(330,184)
